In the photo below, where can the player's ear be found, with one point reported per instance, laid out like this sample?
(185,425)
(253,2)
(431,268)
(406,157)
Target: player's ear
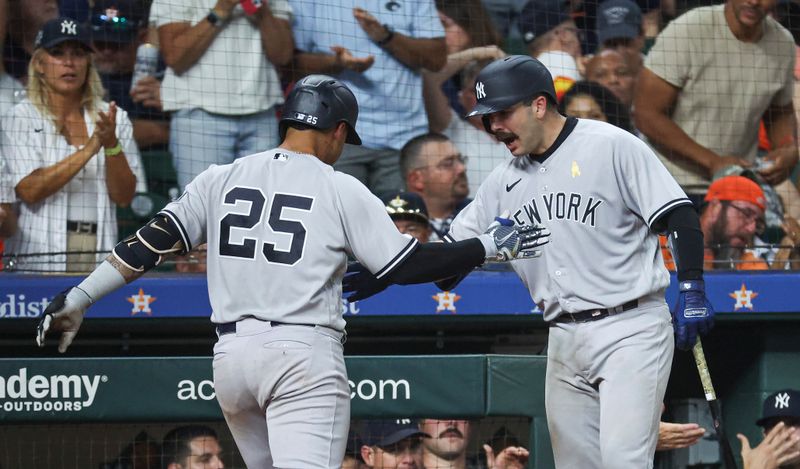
(368,455)
(539,106)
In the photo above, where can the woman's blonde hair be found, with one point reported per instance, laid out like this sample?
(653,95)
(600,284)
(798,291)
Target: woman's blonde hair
(39,92)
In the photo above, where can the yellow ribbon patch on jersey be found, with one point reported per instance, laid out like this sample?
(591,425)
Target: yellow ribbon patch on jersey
(576,171)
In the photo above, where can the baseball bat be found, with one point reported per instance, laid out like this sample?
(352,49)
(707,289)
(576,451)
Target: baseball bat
(726,452)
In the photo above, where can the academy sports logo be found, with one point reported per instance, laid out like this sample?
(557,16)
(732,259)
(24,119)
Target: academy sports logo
(479,93)
(141,303)
(744,298)
(54,393)
(447,301)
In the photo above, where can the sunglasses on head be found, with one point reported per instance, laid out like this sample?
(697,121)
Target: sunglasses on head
(113,22)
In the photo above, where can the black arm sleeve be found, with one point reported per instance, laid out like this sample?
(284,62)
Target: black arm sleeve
(435,261)
(686,241)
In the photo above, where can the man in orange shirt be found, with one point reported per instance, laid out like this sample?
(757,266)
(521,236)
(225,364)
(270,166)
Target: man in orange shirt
(732,216)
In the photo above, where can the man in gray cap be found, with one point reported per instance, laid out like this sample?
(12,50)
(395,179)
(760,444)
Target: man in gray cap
(393,444)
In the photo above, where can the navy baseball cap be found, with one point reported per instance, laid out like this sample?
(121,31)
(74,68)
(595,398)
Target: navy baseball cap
(59,30)
(784,404)
(389,432)
(116,21)
(541,16)
(407,206)
(618,19)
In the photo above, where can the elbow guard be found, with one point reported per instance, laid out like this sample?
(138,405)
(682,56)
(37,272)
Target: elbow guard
(146,248)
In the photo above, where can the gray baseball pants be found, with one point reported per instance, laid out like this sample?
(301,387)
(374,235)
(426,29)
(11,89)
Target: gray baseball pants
(605,384)
(284,393)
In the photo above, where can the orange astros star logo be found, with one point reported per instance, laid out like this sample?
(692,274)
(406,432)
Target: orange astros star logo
(141,303)
(447,301)
(743,297)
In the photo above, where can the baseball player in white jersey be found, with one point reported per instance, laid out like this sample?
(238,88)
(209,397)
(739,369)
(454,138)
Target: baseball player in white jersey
(279,227)
(600,283)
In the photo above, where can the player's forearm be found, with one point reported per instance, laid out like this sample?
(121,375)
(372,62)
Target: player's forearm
(671,140)
(8,221)
(686,242)
(276,38)
(436,261)
(416,53)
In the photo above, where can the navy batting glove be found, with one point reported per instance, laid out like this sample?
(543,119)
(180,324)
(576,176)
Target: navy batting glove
(359,283)
(693,314)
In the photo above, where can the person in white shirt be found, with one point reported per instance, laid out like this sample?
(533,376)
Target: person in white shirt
(221,84)
(71,157)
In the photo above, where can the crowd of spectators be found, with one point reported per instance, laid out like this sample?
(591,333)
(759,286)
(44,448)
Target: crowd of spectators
(88,131)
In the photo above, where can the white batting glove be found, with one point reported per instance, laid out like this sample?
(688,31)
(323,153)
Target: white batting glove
(507,242)
(65,313)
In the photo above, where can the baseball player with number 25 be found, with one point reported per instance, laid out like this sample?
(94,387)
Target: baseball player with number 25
(279,227)
(604,196)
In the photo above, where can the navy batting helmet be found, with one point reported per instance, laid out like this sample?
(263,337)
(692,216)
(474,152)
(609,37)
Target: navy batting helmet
(321,102)
(508,81)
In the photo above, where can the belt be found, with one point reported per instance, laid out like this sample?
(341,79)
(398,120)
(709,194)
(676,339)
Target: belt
(230,327)
(82,227)
(595,314)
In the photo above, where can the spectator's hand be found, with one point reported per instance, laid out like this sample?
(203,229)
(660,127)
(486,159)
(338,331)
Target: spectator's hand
(678,435)
(724,161)
(511,457)
(778,448)
(374,29)
(148,92)
(347,61)
(791,229)
(106,127)
(781,164)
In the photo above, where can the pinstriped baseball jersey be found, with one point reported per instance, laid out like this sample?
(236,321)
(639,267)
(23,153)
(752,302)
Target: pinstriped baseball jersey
(279,226)
(598,190)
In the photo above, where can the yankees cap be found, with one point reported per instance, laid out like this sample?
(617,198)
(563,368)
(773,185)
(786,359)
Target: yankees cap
(784,404)
(618,19)
(407,206)
(388,432)
(59,30)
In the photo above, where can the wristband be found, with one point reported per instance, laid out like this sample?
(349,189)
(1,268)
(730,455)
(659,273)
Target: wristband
(388,37)
(214,19)
(115,150)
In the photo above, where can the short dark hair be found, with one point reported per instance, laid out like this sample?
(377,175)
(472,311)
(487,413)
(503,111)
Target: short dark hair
(409,154)
(614,110)
(175,447)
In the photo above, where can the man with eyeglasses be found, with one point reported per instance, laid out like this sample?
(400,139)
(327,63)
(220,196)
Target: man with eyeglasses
(731,219)
(780,424)
(434,168)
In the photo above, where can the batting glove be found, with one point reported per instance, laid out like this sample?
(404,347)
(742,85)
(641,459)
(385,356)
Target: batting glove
(693,314)
(507,242)
(359,283)
(65,313)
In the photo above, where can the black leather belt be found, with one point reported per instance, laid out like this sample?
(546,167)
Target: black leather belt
(595,314)
(230,327)
(82,227)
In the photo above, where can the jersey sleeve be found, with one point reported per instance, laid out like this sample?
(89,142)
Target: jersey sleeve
(647,187)
(189,212)
(371,235)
